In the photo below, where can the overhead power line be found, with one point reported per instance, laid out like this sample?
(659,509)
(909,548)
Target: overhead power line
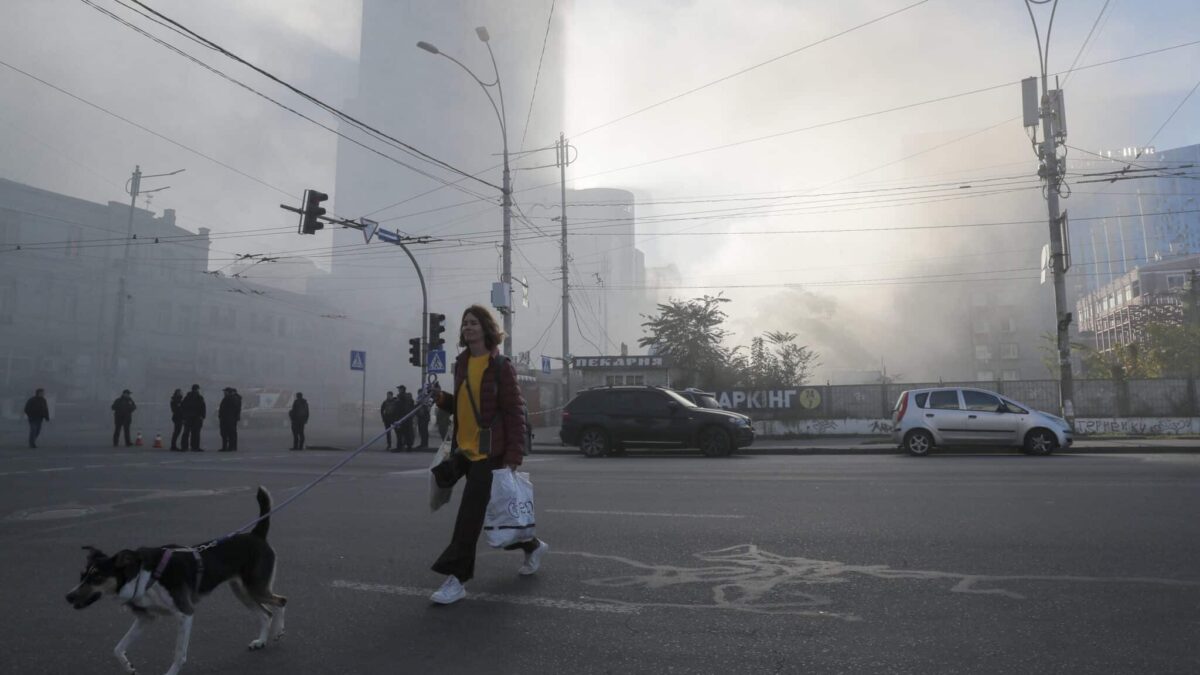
(743,71)
(203,41)
(860,116)
(280,104)
(156,134)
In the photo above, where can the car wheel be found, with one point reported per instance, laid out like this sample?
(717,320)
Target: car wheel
(593,442)
(918,442)
(715,442)
(1040,442)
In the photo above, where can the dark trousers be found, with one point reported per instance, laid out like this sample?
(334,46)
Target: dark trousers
(388,426)
(423,430)
(175,434)
(35,429)
(406,434)
(459,557)
(191,433)
(297,435)
(119,424)
(229,434)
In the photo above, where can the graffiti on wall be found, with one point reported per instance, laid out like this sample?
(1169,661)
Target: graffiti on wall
(1134,426)
(1138,426)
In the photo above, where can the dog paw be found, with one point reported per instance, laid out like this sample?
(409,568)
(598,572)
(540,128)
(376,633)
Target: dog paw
(279,636)
(257,644)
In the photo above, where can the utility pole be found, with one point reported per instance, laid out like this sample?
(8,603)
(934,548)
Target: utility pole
(134,185)
(506,277)
(1054,131)
(566,292)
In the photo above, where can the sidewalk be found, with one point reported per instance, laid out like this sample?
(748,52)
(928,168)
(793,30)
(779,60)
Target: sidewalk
(546,442)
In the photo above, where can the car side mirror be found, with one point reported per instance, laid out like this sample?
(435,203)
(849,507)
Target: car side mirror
(1002,408)
(673,406)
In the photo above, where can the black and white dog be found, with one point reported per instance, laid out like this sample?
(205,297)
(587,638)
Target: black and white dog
(170,580)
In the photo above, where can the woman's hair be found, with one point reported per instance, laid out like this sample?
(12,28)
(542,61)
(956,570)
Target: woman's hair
(493,335)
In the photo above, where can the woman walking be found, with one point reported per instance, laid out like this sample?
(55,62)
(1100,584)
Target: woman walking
(488,434)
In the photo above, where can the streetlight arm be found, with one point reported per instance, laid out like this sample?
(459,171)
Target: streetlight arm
(499,115)
(500,88)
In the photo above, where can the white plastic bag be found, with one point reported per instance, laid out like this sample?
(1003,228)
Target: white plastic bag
(438,496)
(510,511)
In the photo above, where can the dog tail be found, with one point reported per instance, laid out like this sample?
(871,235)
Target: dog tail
(264,507)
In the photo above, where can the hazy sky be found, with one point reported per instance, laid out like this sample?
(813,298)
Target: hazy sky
(622,55)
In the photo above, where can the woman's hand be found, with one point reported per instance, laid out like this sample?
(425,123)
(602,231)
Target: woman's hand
(512,466)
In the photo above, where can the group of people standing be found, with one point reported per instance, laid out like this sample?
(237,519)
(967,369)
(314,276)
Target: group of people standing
(396,407)
(189,411)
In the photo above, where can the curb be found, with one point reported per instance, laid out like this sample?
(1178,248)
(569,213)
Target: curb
(889,450)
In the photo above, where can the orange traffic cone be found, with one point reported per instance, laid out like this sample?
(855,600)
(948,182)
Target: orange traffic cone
(158,441)
(139,439)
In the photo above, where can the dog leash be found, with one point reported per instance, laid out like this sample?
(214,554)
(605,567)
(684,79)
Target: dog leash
(425,400)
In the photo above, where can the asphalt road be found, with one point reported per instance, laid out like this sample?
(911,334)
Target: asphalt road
(659,564)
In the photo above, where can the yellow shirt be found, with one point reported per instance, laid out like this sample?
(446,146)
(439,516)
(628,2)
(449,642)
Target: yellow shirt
(468,428)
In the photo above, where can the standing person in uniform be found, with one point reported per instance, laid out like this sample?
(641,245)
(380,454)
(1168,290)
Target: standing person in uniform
(423,426)
(481,411)
(36,411)
(405,405)
(299,417)
(228,414)
(123,408)
(387,412)
(194,411)
(176,418)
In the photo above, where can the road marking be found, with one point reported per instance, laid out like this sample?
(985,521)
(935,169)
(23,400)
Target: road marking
(61,468)
(642,513)
(551,603)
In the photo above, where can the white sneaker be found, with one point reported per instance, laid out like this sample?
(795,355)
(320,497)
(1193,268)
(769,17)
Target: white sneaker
(533,559)
(451,592)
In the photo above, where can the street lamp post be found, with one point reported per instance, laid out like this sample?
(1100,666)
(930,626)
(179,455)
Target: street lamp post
(506,186)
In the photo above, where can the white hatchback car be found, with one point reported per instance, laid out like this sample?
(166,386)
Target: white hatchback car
(941,416)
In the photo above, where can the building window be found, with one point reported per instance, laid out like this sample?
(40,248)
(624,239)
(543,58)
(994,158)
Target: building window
(1009,325)
(982,352)
(1009,350)
(985,376)
(980,325)
(1174,282)
(1010,375)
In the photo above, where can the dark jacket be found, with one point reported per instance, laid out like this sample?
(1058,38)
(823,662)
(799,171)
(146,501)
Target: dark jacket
(506,406)
(176,407)
(389,410)
(123,408)
(193,405)
(230,409)
(299,412)
(36,408)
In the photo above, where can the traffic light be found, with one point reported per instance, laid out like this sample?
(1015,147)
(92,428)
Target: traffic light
(437,326)
(311,222)
(414,352)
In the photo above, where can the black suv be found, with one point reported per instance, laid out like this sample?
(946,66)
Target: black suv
(602,419)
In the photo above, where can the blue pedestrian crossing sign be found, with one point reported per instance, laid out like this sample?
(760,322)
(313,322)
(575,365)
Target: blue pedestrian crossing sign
(435,362)
(546,365)
(358,360)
